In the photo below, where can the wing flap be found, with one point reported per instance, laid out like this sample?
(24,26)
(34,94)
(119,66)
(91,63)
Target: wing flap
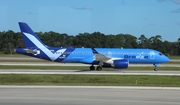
(101,57)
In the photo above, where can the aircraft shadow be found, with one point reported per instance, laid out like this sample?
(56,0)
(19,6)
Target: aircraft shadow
(113,70)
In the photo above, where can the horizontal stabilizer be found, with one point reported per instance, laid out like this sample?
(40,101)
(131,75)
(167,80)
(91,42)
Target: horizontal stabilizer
(31,51)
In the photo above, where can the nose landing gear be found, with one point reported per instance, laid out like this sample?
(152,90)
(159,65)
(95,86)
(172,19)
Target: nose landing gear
(155,65)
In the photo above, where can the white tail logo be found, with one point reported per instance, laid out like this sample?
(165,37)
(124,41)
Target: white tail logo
(52,56)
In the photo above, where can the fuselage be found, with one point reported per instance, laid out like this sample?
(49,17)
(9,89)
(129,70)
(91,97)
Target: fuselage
(85,55)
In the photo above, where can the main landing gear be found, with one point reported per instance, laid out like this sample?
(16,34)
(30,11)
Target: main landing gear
(155,65)
(98,68)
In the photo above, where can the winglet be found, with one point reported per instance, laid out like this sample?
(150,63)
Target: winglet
(94,51)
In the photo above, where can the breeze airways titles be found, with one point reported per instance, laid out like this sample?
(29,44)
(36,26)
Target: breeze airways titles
(135,57)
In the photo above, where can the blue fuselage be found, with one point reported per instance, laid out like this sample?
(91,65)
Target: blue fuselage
(85,55)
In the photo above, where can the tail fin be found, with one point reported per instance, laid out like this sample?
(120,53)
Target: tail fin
(29,37)
(94,51)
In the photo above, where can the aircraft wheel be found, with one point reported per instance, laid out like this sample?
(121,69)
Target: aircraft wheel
(155,69)
(92,68)
(99,68)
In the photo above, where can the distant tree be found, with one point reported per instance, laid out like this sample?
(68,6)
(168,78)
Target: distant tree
(130,41)
(18,41)
(156,42)
(69,41)
(98,39)
(178,47)
(143,42)
(8,42)
(168,48)
(1,40)
(110,41)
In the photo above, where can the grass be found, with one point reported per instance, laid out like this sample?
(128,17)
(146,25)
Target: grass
(12,55)
(174,57)
(89,80)
(80,67)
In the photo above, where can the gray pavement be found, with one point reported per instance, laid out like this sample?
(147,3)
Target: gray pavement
(67,95)
(87,95)
(87,72)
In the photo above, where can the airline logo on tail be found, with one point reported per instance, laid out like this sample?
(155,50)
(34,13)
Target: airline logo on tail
(31,40)
(52,56)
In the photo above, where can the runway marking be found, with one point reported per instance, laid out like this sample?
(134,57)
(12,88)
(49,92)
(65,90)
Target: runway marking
(90,73)
(48,63)
(88,87)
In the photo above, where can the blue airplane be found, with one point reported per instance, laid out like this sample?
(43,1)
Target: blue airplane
(103,57)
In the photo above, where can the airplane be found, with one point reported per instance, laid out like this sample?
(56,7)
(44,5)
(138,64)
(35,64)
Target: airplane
(118,58)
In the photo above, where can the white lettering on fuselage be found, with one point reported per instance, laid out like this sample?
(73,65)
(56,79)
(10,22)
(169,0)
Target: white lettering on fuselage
(152,55)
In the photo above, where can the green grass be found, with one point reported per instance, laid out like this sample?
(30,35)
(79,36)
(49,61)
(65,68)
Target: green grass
(174,57)
(89,80)
(80,67)
(12,55)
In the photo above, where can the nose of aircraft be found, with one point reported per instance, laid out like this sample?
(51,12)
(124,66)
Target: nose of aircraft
(166,59)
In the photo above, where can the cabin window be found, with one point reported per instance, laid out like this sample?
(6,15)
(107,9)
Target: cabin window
(160,54)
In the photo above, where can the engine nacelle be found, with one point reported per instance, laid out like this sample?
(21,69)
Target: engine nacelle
(121,63)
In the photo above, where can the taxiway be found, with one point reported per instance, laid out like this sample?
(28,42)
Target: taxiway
(88,95)
(89,72)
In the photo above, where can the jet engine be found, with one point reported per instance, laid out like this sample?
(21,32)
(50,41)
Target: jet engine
(121,63)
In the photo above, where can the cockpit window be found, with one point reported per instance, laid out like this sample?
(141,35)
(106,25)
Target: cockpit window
(160,54)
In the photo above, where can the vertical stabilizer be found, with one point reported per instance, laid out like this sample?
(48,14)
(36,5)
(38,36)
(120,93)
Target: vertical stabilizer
(29,37)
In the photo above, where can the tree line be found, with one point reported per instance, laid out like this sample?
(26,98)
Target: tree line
(10,40)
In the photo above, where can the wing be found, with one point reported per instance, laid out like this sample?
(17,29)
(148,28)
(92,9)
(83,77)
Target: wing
(114,62)
(100,57)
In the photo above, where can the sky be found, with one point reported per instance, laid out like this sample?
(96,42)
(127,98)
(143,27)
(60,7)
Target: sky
(135,17)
